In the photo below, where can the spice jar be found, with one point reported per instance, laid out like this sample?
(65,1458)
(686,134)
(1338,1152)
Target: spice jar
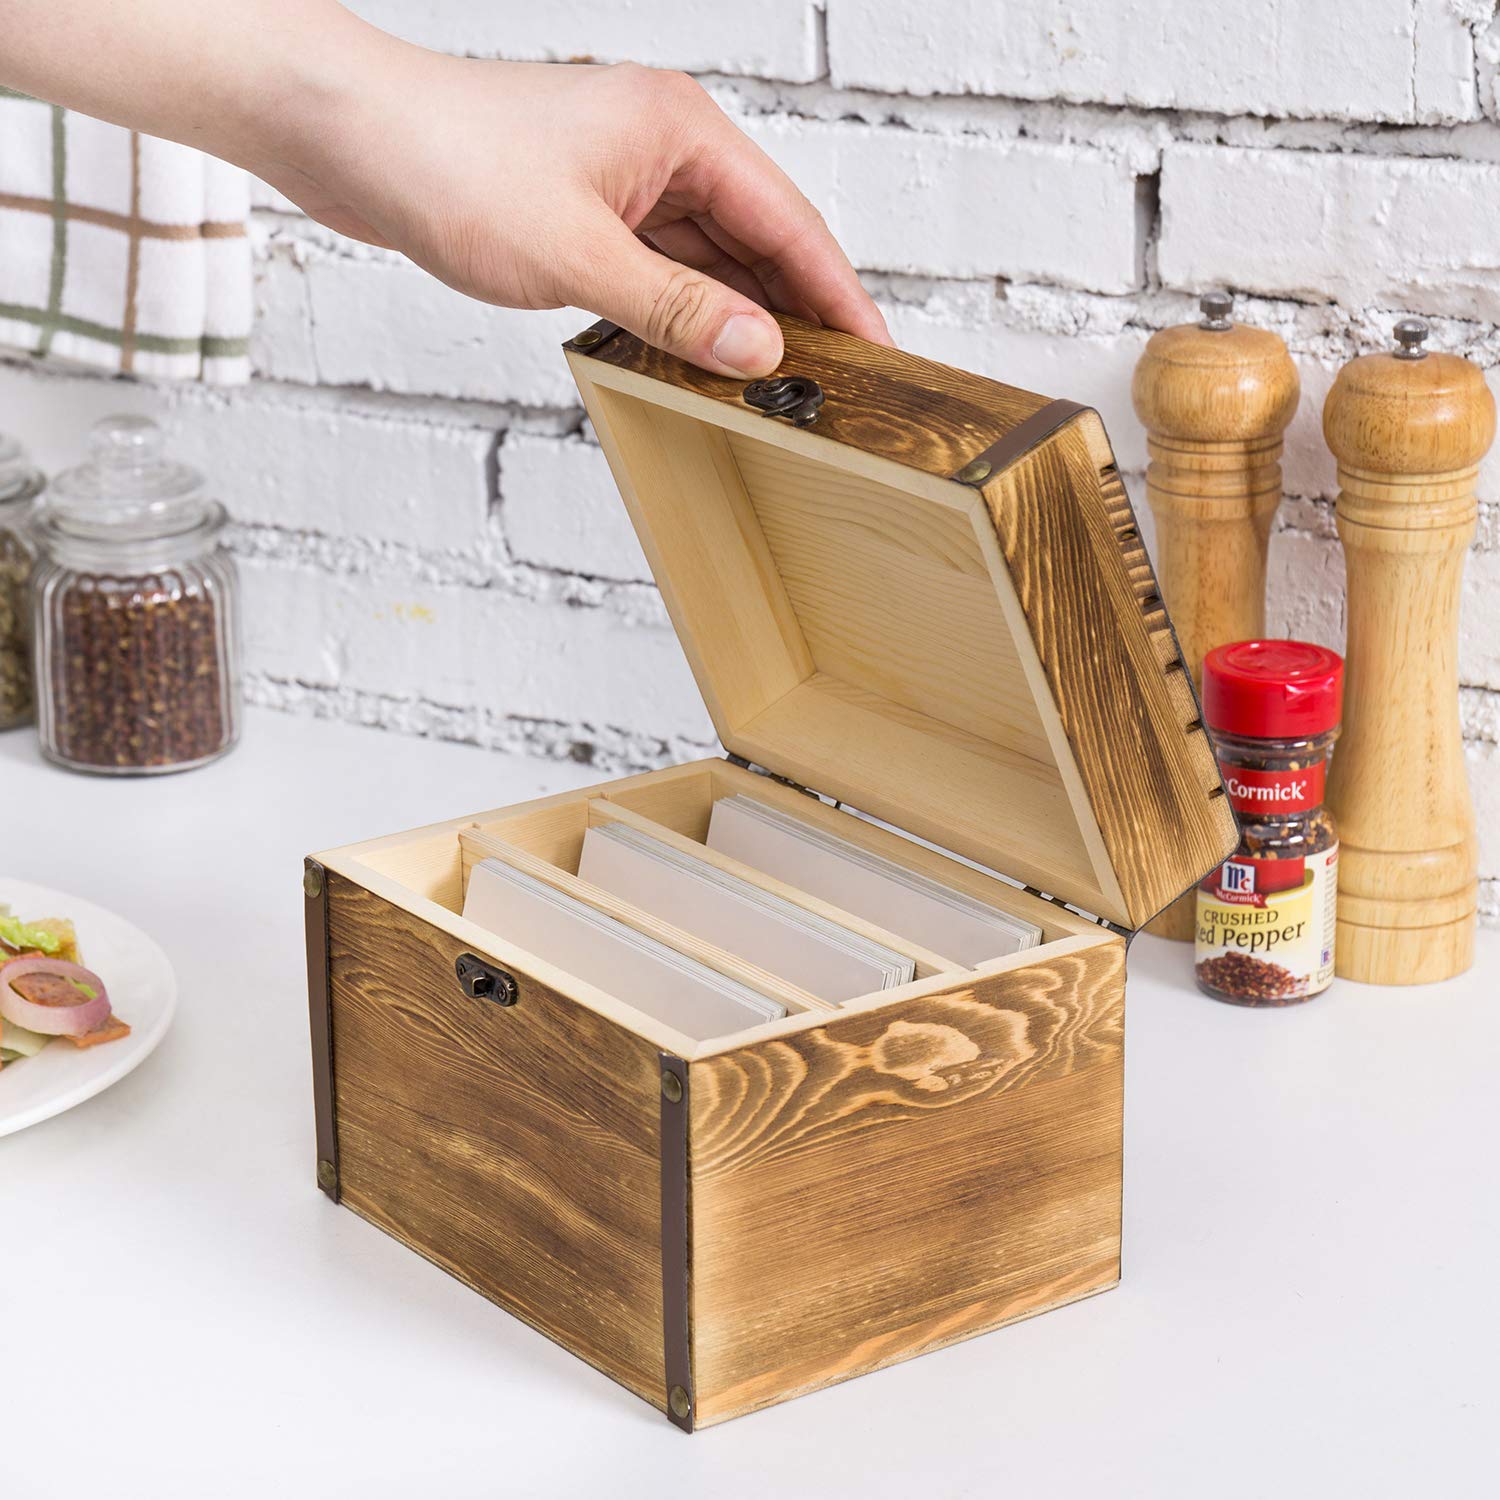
(20,484)
(1265,923)
(136,611)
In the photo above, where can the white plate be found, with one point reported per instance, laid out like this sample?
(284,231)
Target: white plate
(142,988)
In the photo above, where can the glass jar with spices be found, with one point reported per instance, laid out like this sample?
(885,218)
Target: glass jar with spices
(136,611)
(1266,916)
(20,484)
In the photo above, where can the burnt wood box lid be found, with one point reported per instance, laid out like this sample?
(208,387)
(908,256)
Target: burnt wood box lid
(931,602)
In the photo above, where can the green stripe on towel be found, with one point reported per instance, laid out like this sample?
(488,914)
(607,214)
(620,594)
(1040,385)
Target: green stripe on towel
(59,227)
(210,346)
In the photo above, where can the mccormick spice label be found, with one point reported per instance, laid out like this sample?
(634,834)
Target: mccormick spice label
(1265,926)
(1266,915)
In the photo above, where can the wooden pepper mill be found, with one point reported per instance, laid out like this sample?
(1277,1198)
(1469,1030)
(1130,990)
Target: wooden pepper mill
(1408,429)
(1215,397)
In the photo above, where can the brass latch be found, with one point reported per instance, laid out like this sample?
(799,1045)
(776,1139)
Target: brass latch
(796,397)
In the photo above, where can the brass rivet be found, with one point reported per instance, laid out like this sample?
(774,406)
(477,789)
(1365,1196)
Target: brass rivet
(312,882)
(975,472)
(671,1087)
(677,1399)
(328,1177)
(587,339)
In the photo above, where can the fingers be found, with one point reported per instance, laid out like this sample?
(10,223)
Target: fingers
(774,291)
(683,241)
(675,307)
(783,238)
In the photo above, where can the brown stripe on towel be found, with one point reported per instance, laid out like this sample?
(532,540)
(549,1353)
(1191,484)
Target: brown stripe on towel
(214,229)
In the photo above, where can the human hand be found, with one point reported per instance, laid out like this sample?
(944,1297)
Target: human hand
(623,190)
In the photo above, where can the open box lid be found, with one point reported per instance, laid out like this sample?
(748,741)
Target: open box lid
(931,603)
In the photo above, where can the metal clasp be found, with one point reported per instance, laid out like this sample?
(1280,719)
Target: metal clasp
(795,396)
(482,981)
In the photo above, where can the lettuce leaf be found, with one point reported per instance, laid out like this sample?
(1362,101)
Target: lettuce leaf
(15,933)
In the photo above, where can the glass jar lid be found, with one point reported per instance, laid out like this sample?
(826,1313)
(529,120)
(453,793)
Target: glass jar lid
(128,489)
(19,479)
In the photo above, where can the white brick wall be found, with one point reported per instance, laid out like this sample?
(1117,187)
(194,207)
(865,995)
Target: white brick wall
(1362,231)
(1402,61)
(430,538)
(769,39)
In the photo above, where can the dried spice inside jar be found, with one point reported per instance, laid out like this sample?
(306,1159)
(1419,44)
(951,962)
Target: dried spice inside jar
(135,673)
(19,486)
(15,629)
(1266,916)
(135,611)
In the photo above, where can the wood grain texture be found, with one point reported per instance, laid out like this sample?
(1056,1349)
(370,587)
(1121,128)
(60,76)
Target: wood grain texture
(518,1148)
(1215,403)
(910,649)
(1408,435)
(892,595)
(1091,602)
(913,411)
(941,1166)
(851,633)
(706,551)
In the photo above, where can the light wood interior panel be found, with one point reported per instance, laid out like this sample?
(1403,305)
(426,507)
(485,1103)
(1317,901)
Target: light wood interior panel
(554,834)
(893,595)
(939,772)
(852,625)
(708,554)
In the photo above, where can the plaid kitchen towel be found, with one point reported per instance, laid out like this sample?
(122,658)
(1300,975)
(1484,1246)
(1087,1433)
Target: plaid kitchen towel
(119,250)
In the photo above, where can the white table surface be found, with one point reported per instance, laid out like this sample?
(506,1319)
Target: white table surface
(1312,1215)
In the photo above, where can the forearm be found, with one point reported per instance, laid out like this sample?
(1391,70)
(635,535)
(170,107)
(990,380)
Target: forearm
(239,80)
(623,190)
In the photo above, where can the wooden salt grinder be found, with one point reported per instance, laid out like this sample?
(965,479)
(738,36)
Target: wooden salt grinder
(1215,397)
(1408,429)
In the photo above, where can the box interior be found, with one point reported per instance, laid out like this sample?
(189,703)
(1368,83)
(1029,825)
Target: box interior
(853,626)
(427,872)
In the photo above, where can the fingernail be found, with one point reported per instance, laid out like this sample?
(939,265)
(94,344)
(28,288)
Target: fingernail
(747,346)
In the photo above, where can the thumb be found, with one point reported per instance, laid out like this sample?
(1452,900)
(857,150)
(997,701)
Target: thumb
(675,307)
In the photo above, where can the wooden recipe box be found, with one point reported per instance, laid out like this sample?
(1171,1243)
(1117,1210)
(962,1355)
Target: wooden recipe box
(929,603)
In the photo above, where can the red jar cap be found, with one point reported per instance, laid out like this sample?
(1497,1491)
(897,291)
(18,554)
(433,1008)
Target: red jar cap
(1272,689)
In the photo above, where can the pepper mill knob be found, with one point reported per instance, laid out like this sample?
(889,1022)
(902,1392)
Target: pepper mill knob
(1411,335)
(1408,429)
(1215,397)
(1216,307)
